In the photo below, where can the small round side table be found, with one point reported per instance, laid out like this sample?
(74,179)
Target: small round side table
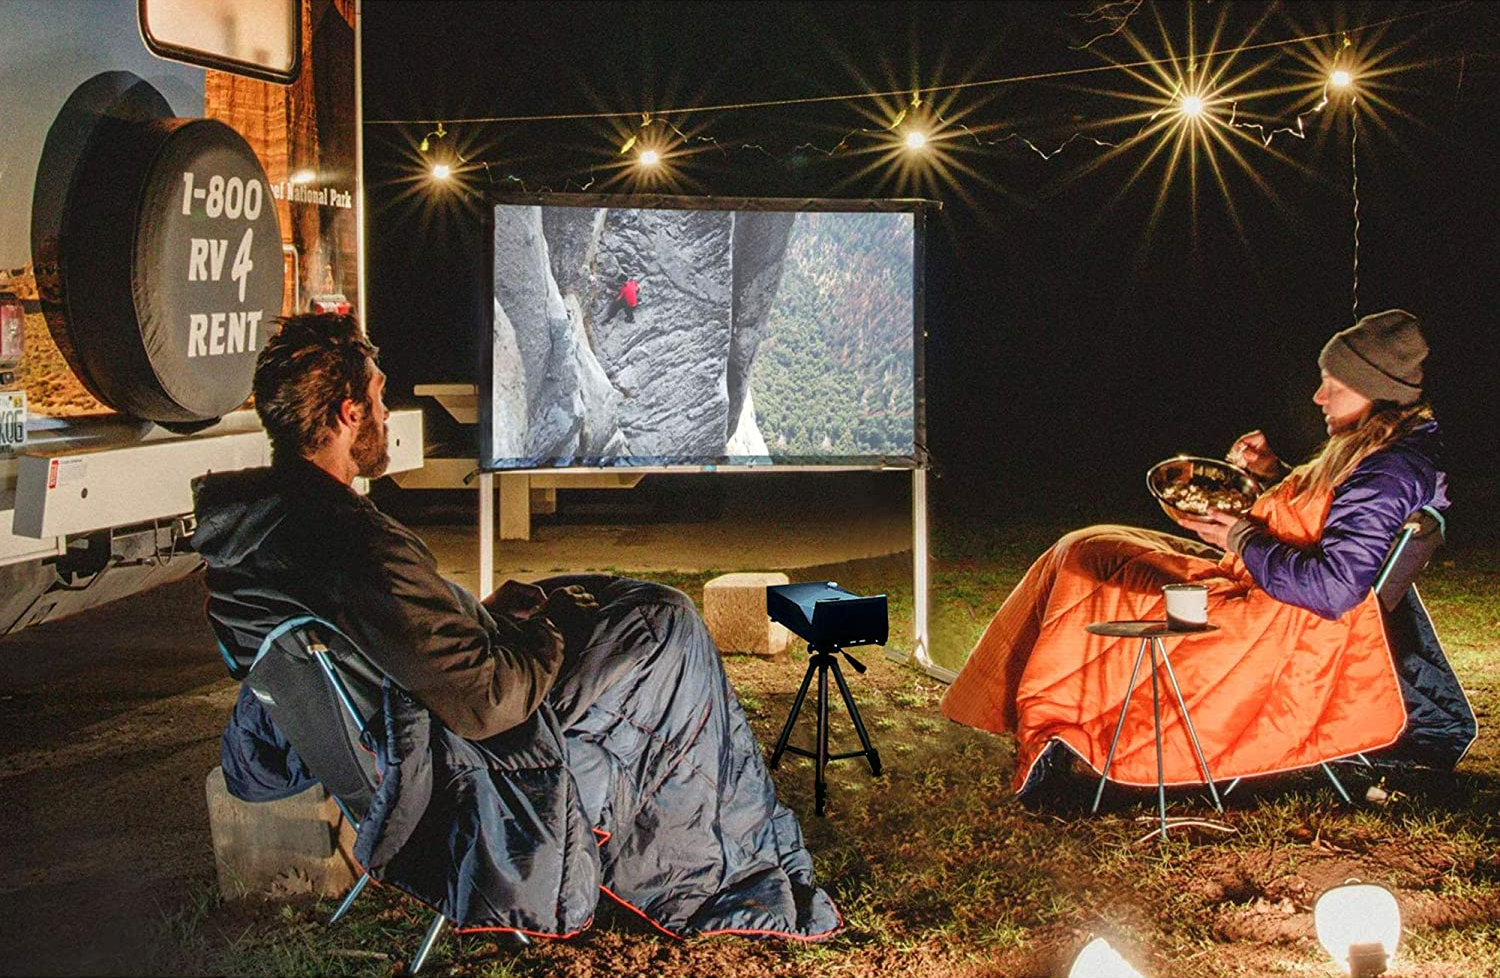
(1151,634)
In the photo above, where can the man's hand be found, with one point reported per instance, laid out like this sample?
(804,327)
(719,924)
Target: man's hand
(1212,527)
(516,600)
(570,608)
(1251,452)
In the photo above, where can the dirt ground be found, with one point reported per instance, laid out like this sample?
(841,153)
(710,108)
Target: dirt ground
(109,722)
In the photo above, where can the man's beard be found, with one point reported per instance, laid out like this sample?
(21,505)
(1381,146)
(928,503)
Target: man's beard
(371,447)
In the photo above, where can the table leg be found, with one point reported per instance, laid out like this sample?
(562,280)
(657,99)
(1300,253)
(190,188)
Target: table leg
(1161,777)
(1124,708)
(1187,722)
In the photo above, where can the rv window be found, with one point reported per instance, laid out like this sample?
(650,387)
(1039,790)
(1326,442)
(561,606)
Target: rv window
(258,38)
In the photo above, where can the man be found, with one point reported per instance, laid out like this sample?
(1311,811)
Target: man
(627,298)
(550,743)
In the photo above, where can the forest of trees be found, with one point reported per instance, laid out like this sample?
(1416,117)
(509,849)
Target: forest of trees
(833,375)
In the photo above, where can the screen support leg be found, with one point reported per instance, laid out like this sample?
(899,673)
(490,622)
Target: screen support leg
(486,533)
(921,654)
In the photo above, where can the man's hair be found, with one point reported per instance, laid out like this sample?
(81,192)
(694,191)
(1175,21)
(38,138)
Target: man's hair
(304,373)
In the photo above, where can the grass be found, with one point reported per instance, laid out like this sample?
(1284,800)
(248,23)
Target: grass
(939,871)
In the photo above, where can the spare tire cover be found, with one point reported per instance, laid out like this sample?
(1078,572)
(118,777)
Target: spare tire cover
(172,267)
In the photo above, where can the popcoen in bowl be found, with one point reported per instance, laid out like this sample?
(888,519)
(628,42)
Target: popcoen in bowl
(1191,486)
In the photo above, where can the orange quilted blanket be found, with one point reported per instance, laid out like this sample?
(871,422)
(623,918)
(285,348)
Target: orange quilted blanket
(1274,689)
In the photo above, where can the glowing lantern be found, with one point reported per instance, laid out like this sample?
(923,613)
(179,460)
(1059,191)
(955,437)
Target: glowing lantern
(650,157)
(1341,79)
(441,171)
(1099,960)
(1358,924)
(915,140)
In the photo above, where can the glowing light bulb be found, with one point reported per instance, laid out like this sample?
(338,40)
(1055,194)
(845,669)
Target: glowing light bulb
(649,157)
(915,140)
(1341,79)
(1192,106)
(1099,960)
(1359,925)
(441,171)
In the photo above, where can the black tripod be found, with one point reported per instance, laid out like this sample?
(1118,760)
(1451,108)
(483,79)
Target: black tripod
(821,662)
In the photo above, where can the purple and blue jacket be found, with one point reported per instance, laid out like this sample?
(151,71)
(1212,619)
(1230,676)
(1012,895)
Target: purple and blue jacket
(1368,508)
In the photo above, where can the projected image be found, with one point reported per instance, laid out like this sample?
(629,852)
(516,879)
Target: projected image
(629,336)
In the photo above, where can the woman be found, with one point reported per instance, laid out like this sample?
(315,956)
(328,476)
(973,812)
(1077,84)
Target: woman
(1299,671)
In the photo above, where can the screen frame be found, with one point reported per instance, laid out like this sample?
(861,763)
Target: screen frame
(918,208)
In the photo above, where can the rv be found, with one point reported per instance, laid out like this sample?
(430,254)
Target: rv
(176,174)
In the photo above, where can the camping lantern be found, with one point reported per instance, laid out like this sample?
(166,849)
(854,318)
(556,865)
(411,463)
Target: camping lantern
(1099,960)
(12,331)
(1358,924)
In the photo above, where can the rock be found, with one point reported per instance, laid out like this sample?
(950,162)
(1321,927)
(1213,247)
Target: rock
(673,383)
(527,293)
(669,364)
(294,846)
(572,245)
(511,420)
(600,433)
(759,246)
(734,609)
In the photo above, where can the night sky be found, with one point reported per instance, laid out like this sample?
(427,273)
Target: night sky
(1071,332)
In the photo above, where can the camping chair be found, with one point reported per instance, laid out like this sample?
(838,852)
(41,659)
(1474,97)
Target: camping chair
(1419,538)
(322,694)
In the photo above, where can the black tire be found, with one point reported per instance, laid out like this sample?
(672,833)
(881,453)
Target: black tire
(125,270)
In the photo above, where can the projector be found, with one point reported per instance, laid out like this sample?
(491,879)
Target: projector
(828,617)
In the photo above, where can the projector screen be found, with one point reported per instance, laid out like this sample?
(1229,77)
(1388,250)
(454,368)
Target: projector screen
(691,332)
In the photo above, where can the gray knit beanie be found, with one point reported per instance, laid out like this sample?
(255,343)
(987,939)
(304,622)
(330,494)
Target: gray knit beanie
(1380,357)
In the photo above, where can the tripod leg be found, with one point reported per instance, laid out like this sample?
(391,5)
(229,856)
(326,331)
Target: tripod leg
(791,720)
(820,787)
(871,754)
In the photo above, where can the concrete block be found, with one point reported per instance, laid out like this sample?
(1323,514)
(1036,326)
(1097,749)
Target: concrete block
(298,845)
(734,608)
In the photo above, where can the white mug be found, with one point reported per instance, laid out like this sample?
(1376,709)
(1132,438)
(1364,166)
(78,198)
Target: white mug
(1187,605)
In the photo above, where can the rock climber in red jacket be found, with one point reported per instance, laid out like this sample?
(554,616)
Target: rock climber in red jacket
(627,299)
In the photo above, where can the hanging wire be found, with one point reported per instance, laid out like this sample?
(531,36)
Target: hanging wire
(1354,168)
(956,86)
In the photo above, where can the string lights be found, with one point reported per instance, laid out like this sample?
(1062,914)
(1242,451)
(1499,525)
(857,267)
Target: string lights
(1195,103)
(1192,109)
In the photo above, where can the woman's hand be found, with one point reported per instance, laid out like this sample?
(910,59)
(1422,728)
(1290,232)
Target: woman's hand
(1252,453)
(1212,527)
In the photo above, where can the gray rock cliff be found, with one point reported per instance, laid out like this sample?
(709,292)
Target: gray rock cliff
(574,378)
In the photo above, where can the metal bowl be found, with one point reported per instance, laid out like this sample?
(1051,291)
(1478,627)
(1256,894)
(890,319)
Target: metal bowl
(1208,474)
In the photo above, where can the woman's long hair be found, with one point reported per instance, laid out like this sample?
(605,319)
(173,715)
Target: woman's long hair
(1388,423)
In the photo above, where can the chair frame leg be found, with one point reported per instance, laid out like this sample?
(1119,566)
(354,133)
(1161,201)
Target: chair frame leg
(1338,786)
(349,898)
(429,941)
